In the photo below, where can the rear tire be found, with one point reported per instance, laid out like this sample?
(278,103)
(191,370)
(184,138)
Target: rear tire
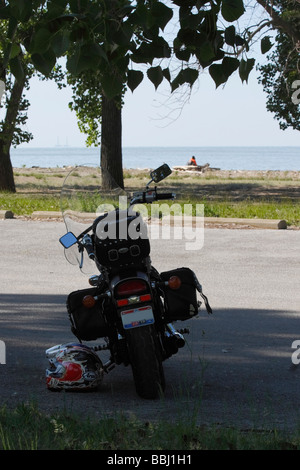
(146,361)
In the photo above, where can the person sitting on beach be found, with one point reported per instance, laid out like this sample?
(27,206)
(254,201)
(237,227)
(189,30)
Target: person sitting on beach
(192,161)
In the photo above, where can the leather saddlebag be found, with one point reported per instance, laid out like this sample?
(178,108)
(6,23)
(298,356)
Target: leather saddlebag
(86,323)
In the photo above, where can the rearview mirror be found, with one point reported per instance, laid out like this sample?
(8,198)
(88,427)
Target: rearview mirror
(68,240)
(160,173)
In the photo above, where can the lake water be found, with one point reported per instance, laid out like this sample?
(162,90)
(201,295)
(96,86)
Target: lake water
(225,158)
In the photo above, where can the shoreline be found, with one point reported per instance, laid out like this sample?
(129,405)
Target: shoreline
(208,173)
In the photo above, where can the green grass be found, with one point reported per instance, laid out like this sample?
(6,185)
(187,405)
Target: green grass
(265,196)
(27,428)
(263,209)
(25,204)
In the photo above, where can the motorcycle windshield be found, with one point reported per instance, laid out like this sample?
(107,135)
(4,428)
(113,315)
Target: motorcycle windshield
(83,199)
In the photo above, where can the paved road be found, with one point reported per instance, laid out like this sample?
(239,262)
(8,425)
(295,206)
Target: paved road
(236,369)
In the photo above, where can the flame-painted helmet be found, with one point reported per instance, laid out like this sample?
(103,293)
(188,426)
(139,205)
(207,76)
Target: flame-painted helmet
(73,367)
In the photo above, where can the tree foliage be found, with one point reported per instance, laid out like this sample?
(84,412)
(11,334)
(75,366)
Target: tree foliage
(16,70)
(115,45)
(109,37)
(112,45)
(107,42)
(19,135)
(280,76)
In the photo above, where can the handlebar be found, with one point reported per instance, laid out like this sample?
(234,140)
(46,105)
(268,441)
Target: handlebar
(88,245)
(165,196)
(150,196)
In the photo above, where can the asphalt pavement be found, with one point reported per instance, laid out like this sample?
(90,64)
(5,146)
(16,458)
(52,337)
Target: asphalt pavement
(236,369)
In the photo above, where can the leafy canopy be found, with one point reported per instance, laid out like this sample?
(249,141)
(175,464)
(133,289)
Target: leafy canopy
(280,75)
(16,70)
(111,38)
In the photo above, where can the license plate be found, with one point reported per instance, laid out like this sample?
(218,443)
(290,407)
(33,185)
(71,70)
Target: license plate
(136,317)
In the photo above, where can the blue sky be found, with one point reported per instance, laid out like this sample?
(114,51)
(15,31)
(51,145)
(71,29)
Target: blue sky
(234,115)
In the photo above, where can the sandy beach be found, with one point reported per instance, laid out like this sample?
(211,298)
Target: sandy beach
(208,173)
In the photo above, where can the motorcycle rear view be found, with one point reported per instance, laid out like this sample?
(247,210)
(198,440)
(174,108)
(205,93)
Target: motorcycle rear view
(129,306)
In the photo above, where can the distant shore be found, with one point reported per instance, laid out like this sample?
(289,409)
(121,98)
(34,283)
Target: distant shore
(226,158)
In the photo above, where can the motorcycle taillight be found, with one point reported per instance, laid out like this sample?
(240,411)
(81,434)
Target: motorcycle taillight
(132,286)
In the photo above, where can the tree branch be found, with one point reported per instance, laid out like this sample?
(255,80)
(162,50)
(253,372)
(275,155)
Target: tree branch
(251,35)
(281,24)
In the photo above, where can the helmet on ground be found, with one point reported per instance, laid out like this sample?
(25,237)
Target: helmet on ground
(73,367)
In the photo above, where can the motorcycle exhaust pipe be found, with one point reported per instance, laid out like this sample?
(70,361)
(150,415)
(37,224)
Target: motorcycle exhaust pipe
(180,341)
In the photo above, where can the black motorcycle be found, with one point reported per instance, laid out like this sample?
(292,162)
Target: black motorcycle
(130,305)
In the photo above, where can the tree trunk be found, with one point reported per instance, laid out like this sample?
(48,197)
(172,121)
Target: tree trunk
(7,182)
(6,136)
(111,145)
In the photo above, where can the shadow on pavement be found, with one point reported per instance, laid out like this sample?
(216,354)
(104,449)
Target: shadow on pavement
(235,369)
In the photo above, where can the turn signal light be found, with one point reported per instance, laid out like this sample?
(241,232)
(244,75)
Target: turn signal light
(88,301)
(174,282)
(145,298)
(122,302)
